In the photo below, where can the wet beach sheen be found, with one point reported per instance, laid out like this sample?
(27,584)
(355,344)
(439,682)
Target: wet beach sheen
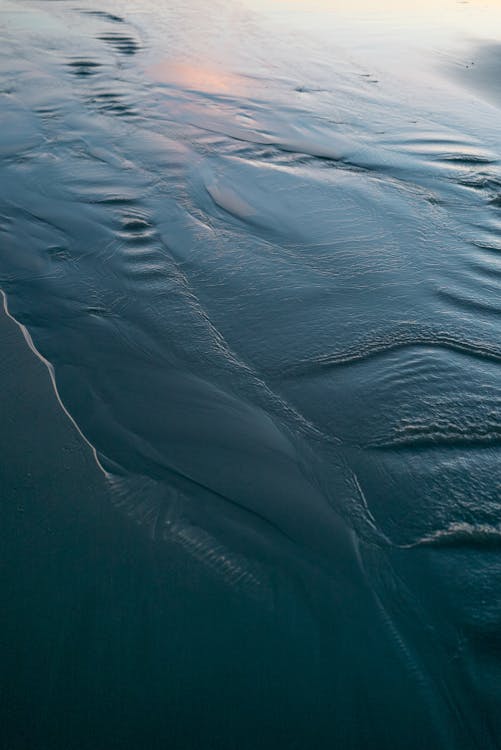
(250,447)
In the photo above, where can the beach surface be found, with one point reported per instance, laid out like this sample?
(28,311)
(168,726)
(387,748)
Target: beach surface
(250,378)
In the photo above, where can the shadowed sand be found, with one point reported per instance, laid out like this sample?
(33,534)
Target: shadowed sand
(44,457)
(101,630)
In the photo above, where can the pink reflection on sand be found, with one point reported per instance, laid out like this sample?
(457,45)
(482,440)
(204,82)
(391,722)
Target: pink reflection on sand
(195,77)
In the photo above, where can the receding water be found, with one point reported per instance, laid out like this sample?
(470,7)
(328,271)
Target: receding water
(258,246)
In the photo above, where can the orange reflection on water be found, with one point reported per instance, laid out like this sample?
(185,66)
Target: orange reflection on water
(198,77)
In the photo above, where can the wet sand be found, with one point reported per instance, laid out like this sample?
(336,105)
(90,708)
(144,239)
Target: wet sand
(258,244)
(108,639)
(44,457)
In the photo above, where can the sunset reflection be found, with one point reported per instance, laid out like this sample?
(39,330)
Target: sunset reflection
(198,77)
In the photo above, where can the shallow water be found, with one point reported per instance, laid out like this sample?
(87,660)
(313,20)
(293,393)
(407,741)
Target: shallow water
(258,246)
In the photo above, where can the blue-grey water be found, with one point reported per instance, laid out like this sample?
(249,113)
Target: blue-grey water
(258,247)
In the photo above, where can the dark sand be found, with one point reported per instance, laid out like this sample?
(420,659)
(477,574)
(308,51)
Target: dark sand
(52,492)
(45,460)
(109,639)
